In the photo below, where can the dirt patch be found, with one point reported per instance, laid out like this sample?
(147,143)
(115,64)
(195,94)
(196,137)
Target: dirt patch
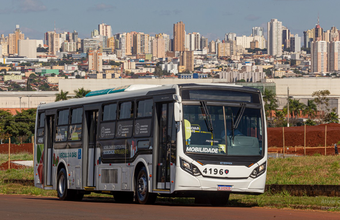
(15,148)
(294,136)
(4,166)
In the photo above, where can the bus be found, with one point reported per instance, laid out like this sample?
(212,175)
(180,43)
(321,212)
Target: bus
(138,142)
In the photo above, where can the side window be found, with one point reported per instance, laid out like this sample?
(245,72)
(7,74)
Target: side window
(109,112)
(41,128)
(144,108)
(62,127)
(143,121)
(125,110)
(75,129)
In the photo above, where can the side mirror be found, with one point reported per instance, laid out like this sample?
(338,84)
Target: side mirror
(177,111)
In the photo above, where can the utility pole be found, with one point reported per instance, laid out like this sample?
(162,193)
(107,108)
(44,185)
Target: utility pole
(287,106)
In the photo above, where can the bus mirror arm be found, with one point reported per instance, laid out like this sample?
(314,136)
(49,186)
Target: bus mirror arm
(177,112)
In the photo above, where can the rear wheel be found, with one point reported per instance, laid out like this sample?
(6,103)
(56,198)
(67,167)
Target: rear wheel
(63,192)
(143,196)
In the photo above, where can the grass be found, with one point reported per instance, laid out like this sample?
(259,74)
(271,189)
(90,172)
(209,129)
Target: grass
(310,170)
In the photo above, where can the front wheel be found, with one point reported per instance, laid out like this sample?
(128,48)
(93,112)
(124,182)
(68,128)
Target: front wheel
(142,192)
(62,190)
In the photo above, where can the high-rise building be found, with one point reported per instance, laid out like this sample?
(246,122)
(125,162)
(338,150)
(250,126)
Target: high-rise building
(13,40)
(187,60)
(75,36)
(224,49)
(204,43)
(230,37)
(308,38)
(295,44)
(274,37)
(193,41)
(212,46)
(285,37)
(28,48)
(95,61)
(104,30)
(52,41)
(319,57)
(179,36)
(111,43)
(140,43)
(257,31)
(333,56)
(158,46)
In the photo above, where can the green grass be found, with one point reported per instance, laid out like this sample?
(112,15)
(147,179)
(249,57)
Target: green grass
(21,156)
(310,170)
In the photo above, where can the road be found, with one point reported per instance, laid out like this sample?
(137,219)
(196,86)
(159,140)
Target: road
(30,207)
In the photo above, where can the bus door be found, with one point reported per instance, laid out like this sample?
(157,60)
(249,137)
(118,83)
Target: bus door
(48,148)
(89,147)
(164,146)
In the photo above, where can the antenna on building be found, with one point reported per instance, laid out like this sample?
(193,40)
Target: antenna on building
(318,18)
(54,28)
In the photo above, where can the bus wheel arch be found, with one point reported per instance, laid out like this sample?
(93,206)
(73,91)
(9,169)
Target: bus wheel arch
(141,185)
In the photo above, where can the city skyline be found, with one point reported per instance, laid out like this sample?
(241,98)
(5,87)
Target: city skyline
(36,17)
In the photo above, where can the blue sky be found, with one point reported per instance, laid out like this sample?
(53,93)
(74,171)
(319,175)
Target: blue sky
(211,18)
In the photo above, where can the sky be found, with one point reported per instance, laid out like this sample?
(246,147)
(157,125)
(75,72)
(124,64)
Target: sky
(211,18)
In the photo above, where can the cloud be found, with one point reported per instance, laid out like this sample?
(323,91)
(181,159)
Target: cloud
(168,12)
(30,6)
(101,7)
(252,17)
(24,6)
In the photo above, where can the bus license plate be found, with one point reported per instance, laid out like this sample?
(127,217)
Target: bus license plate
(224,188)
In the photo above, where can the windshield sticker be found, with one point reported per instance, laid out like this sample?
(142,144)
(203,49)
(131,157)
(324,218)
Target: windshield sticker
(210,150)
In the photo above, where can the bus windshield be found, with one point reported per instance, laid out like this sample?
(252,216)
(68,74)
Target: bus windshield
(223,130)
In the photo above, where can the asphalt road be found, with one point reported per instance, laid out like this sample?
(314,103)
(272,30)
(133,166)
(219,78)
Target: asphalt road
(30,207)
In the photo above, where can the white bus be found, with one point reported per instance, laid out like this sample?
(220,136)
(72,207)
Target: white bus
(136,142)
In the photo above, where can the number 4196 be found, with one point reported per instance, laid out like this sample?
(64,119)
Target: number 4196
(213,171)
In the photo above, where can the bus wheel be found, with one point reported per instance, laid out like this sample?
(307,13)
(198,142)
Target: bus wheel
(63,192)
(142,193)
(219,199)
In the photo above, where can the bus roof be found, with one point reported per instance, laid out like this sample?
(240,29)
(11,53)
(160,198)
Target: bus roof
(131,91)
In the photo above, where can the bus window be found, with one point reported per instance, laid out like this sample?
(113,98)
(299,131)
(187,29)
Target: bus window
(144,108)
(109,112)
(76,126)
(61,131)
(63,117)
(125,110)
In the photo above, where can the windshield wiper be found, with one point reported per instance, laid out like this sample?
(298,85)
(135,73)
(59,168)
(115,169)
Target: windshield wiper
(238,119)
(207,118)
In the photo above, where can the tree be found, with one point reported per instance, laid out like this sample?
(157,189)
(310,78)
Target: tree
(310,109)
(61,96)
(331,117)
(280,118)
(270,102)
(4,117)
(80,93)
(24,124)
(322,101)
(295,107)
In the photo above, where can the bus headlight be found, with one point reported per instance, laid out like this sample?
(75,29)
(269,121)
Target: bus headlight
(258,170)
(190,168)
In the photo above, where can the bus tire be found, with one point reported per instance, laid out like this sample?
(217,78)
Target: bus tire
(143,196)
(63,192)
(219,199)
